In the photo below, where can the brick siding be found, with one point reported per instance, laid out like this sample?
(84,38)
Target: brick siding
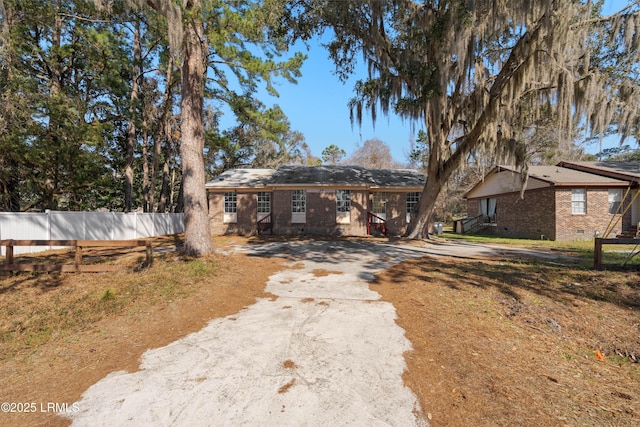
(546,213)
(583,227)
(531,217)
(321,215)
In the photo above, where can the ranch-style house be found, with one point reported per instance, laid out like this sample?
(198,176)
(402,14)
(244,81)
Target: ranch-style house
(569,201)
(314,200)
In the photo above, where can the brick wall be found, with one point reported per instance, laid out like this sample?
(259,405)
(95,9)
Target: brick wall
(583,227)
(396,213)
(321,215)
(246,219)
(531,217)
(547,213)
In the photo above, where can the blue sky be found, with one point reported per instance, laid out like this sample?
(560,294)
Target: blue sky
(318,107)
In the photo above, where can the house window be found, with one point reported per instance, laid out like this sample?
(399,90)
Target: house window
(412,204)
(343,201)
(579,201)
(615,200)
(298,206)
(264,202)
(230,206)
(299,201)
(343,206)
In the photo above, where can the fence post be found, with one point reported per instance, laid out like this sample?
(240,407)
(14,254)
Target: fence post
(78,256)
(47,212)
(10,253)
(597,253)
(149,250)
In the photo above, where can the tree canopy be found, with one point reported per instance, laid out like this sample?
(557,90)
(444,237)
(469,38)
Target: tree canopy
(373,154)
(480,74)
(102,102)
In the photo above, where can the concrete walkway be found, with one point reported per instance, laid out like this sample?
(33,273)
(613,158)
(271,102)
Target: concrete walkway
(325,352)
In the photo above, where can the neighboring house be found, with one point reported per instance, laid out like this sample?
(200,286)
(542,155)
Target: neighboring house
(314,200)
(570,201)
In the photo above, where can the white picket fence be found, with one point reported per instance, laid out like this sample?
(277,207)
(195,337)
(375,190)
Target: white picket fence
(58,225)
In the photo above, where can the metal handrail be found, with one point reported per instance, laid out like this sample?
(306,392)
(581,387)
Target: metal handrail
(475,220)
(381,225)
(265,224)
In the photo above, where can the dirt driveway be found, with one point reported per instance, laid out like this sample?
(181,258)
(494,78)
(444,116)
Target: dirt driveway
(325,350)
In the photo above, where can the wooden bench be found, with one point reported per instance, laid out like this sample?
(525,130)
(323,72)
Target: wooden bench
(10,264)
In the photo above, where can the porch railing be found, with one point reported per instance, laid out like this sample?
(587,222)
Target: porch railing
(472,223)
(375,222)
(265,225)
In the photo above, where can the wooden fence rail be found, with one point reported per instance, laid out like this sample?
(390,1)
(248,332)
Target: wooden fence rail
(597,248)
(10,264)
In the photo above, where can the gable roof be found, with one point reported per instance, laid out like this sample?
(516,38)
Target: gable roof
(319,176)
(559,176)
(539,177)
(234,178)
(629,171)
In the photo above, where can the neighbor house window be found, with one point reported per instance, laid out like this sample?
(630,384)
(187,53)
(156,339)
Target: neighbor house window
(343,201)
(579,201)
(298,206)
(412,204)
(230,206)
(615,200)
(264,202)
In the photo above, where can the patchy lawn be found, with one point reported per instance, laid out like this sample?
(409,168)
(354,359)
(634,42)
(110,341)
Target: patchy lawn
(61,333)
(503,343)
(495,342)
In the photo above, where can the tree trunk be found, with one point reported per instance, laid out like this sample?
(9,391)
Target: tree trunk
(197,234)
(164,193)
(164,133)
(146,206)
(441,164)
(131,129)
(436,179)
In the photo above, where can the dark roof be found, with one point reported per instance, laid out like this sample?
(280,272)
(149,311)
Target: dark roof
(321,176)
(233,178)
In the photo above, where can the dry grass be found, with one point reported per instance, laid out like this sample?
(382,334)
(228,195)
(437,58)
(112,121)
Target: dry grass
(61,333)
(495,342)
(502,343)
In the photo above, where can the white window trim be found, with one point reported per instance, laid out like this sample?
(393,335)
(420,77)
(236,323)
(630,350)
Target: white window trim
(617,193)
(299,217)
(383,196)
(344,216)
(230,217)
(415,203)
(582,202)
(262,215)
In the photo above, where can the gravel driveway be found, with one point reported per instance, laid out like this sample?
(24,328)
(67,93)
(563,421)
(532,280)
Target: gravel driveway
(326,351)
